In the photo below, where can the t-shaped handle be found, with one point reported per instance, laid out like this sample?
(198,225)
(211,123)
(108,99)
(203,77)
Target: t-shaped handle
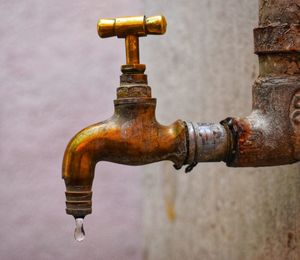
(131,28)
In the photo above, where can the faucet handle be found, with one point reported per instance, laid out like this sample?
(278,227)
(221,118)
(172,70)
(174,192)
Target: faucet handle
(131,28)
(132,25)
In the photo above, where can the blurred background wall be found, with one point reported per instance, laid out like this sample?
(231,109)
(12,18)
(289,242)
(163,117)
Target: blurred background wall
(202,70)
(57,77)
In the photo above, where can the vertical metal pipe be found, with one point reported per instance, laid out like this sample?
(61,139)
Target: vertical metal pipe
(277,39)
(271,134)
(278,12)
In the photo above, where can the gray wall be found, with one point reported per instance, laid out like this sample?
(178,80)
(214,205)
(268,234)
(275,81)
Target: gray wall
(202,70)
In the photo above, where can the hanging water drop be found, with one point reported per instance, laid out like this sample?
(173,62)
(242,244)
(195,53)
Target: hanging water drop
(79,233)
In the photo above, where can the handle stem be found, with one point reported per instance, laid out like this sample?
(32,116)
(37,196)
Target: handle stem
(132,49)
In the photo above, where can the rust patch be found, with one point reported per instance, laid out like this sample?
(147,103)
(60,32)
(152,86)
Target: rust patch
(248,141)
(277,39)
(279,63)
(279,11)
(170,210)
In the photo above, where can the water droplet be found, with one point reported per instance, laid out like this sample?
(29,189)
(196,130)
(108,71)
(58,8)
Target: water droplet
(79,233)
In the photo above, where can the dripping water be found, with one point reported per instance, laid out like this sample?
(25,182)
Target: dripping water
(79,233)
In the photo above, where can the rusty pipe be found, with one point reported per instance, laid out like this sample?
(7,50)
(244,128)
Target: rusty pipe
(270,135)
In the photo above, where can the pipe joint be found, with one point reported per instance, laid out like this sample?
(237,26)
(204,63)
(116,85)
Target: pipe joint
(207,142)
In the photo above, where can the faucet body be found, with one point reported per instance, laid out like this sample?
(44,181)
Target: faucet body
(131,136)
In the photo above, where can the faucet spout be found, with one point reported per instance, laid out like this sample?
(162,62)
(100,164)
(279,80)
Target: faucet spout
(78,167)
(131,136)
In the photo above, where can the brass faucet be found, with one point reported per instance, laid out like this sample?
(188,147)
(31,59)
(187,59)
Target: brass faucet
(132,136)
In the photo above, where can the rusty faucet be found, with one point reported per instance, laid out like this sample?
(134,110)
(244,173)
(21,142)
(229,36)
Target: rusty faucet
(269,136)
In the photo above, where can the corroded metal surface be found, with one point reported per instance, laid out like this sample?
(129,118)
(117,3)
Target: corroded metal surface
(279,12)
(266,137)
(270,134)
(279,64)
(277,38)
